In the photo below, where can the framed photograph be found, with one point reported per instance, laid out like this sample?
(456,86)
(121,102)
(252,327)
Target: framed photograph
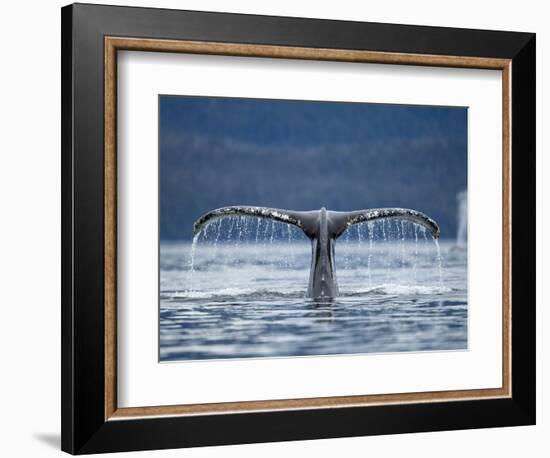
(281,228)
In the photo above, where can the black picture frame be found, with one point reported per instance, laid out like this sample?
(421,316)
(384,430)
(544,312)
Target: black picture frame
(84,427)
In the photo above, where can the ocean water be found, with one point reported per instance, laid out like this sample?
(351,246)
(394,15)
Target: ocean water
(241,293)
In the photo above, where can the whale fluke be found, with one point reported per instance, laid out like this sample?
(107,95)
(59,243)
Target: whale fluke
(322,227)
(283,216)
(343,220)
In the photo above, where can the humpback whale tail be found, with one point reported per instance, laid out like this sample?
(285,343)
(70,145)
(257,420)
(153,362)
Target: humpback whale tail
(322,227)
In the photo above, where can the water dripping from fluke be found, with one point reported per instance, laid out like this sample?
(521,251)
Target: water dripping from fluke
(415,251)
(370,230)
(439,261)
(192,260)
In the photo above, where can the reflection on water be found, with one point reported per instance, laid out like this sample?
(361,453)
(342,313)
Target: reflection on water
(248,299)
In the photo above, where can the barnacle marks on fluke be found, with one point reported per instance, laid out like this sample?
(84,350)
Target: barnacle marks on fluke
(284,216)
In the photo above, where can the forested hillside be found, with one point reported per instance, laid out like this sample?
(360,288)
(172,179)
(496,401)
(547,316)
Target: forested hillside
(302,155)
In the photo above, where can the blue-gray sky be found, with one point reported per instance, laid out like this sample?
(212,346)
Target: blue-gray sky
(302,155)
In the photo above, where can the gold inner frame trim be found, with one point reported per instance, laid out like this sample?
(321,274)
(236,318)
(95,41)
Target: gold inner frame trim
(114,44)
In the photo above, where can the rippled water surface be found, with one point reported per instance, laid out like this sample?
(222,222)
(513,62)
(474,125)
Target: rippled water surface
(245,296)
